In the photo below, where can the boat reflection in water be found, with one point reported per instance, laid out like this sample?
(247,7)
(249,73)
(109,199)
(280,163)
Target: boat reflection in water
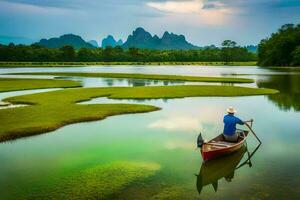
(214,170)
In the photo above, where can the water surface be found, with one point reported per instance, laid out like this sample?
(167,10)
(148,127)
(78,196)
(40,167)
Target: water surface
(32,166)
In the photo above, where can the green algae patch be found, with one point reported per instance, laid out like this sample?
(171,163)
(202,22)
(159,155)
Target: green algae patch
(15,84)
(146,76)
(173,192)
(49,111)
(181,91)
(100,182)
(32,120)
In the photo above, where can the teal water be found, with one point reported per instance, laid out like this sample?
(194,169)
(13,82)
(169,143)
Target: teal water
(33,166)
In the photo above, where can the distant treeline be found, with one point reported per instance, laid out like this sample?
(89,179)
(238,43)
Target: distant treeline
(282,48)
(229,52)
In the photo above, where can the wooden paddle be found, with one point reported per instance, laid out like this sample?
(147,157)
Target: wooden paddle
(250,128)
(250,155)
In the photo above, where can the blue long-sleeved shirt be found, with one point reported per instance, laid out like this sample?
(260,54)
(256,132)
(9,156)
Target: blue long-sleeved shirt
(230,122)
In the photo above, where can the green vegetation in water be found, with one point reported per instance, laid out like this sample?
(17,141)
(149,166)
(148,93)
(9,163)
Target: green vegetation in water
(174,192)
(100,182)
(159,92)
(146,76)
(50,111)
(80,64)
(15,84)
(46,113)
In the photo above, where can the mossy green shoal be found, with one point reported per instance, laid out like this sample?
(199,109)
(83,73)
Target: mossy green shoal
(15,84)
(146,76)
(160,92)
(101,181)
(51,110)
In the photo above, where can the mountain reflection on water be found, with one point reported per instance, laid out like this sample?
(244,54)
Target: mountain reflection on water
(289,87)
(111,82)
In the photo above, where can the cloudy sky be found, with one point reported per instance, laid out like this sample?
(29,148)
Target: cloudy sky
(203,22)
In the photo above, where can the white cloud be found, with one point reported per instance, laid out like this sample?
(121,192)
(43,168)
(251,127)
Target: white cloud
(205,119)
(193,6)
(197,11)
(177,124)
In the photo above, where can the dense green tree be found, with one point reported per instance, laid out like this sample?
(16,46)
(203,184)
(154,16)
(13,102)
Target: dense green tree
(36,53)
(231,52)
(134,54)
(108,54)
(296,56)
(86,55)
(281,48)
(228,44)
(67,53)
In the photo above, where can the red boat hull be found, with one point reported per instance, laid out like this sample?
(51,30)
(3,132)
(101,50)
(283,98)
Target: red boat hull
(218,147)
(214,154)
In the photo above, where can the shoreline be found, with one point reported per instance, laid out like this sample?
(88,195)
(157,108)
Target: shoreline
(84,64)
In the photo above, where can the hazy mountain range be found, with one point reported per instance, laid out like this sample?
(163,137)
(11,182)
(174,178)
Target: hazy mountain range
(110,41)
(68,39)
(139,38)
(143,39)
(94,43)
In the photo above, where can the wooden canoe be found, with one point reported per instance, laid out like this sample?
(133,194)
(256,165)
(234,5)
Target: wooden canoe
(218,146)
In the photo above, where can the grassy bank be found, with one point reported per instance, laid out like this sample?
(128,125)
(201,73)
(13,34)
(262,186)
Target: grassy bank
(14,84)
(146,76)
(80,64)
(52,110)
(47,113)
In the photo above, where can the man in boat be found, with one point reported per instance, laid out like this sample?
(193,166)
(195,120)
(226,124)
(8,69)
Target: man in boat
(230,122)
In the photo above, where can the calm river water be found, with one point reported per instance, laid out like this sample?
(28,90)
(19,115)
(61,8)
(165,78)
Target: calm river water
(168,138)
